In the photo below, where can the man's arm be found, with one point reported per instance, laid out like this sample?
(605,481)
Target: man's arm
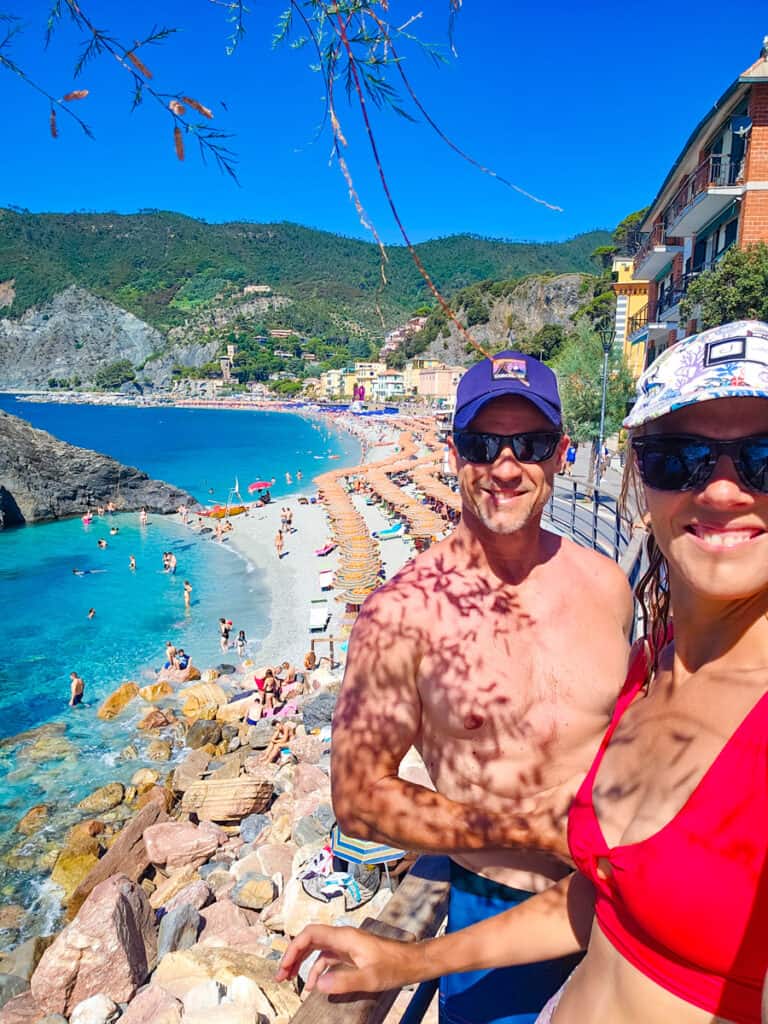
(377,720)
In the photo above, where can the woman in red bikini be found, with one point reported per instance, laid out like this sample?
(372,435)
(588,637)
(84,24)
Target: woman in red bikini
(669,831)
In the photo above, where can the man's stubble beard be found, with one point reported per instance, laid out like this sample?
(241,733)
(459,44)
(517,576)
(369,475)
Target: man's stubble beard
(506,524)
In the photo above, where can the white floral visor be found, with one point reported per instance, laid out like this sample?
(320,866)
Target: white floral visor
(730,361)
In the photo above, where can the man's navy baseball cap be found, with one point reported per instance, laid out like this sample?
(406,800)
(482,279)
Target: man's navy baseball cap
(507,373)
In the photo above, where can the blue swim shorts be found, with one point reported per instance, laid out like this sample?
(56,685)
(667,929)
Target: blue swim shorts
(510,995)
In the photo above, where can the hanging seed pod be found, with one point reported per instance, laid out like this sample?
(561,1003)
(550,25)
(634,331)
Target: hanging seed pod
(178,108)
(77,94)
(139,65)
(52,122)
(198,107)
(178,142)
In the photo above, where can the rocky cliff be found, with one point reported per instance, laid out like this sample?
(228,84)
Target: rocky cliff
(44,478)
(73,335)
(525,309)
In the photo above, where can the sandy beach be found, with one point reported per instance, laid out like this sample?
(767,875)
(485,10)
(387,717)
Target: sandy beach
(294,579)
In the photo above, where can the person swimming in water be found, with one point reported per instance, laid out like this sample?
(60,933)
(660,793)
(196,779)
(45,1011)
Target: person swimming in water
(91,613)
(132,563)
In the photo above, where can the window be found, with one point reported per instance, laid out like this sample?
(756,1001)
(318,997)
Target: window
(699,255)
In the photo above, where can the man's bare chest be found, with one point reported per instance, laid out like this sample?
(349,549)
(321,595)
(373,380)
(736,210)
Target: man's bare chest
(515,676)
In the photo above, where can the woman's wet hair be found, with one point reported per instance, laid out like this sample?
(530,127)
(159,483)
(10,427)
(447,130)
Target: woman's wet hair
(652,588)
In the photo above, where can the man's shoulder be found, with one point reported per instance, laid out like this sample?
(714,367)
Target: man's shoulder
(599,568)
(410,583)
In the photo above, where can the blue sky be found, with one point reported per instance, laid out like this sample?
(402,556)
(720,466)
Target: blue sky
(584,105)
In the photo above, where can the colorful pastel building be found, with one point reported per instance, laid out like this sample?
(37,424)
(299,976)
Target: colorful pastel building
(714,196)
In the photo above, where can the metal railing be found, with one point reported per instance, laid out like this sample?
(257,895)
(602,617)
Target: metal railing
(590,517)
(638,321)
(656,236)
(714,171)
(668,300)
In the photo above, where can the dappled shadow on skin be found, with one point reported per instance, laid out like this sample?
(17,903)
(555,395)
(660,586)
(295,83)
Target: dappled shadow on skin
(445,658)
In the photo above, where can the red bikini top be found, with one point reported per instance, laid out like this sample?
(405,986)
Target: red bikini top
(688,907)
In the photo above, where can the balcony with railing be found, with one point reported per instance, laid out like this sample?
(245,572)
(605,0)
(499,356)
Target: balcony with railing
(637,323)
(656,253)
(704,194)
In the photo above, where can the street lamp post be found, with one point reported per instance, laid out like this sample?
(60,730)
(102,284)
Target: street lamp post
(606,339)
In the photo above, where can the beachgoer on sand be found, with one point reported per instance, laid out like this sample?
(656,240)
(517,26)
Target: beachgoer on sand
(76,689)
(670,895)
(279,542)
(455,656)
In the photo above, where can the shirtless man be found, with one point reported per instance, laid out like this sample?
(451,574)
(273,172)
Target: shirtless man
(76,689)
(498,653)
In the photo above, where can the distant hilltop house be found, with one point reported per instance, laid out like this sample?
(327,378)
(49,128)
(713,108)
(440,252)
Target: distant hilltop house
(714,196)
(257,289)
(420,378)
(282,332)
(282,354)
(393,339)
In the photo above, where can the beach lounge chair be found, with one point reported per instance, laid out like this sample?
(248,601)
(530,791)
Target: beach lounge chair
(326,579)
(391,532)
(319,614)
(326,549)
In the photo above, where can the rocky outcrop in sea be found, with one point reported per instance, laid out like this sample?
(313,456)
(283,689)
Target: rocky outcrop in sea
(43,478)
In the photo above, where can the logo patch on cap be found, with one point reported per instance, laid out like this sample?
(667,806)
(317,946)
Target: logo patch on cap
(725,351)
(510,369)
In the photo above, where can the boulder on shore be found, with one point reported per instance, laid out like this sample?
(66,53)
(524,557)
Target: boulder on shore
(103,799)
(116,701)
(127,855)
(109,948)
(227,799)
(176,844)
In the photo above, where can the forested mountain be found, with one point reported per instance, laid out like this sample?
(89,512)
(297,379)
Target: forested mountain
(167,268)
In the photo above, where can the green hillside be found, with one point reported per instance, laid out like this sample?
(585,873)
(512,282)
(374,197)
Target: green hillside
(165,267)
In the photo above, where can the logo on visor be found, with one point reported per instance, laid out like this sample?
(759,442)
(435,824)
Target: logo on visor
(725,351)
(510,369)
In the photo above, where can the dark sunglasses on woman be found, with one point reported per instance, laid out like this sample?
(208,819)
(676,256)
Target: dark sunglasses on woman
(483,448)
(682,462)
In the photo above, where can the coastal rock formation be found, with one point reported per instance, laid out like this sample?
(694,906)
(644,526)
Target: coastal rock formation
(75,334)
(44,478)
(529,306)
(109,948)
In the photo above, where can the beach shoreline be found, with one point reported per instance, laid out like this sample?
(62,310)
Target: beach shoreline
(293,579)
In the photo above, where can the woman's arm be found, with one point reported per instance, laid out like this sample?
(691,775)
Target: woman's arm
(553,924)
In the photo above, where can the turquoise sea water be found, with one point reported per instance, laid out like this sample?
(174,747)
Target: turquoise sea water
(44,628)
